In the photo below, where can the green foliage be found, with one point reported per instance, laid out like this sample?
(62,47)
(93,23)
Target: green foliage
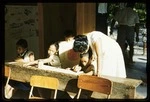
(140,8)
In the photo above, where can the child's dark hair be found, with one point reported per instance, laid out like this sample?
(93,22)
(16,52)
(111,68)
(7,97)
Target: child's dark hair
(22,42)
(88,53)
(68,33)
(56,44)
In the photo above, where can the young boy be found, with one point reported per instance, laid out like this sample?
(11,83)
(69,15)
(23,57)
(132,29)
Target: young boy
(24,55)
(68,35)
(85,64)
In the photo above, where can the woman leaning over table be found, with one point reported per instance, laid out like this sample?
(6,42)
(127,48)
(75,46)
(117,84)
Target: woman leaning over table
(107,54)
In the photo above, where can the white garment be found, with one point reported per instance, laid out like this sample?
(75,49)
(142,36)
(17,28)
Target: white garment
(127,16)
(68,56)
(8,91)
(55,61)
(112,61)
(27,57)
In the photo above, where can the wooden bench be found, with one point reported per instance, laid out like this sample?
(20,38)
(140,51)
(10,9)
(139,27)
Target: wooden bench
(123,88)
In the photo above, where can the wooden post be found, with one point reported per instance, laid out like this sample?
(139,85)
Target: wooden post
(41,30)
(85,17)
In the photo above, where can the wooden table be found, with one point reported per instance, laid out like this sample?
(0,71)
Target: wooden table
(123,88)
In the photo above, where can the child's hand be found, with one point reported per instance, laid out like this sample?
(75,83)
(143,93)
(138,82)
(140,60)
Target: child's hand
(26,64)
(19,60)
(76,68)
(29,63)
(68,68)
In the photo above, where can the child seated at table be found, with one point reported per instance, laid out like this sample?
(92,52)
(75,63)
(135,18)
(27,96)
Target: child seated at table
(68,35)
(23,54)
(53,57)
(85,65)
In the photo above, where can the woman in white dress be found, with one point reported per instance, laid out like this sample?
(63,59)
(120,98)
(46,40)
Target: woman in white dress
(107,54)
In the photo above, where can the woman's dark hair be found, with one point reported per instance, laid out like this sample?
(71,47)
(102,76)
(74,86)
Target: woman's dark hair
(22,42)
(80,43)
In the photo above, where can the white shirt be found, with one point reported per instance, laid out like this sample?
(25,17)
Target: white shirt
(127,16)
(27,56)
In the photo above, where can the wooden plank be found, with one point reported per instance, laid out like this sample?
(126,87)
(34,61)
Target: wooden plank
(86,13)
(95,83)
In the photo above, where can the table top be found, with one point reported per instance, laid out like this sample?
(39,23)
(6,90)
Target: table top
(68,78)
